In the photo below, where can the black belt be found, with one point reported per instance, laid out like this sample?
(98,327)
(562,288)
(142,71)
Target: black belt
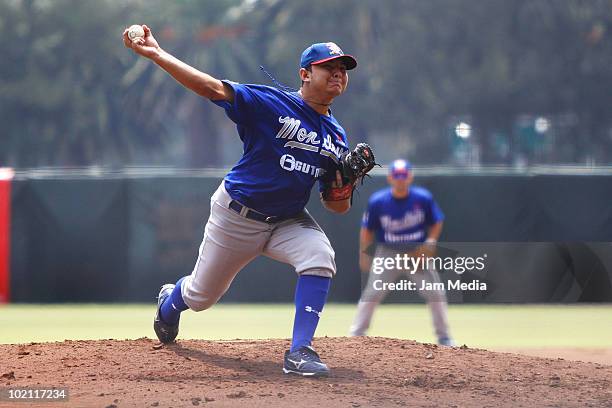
(252,214)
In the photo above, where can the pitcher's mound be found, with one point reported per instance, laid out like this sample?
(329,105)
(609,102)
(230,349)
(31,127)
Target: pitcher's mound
(366,372)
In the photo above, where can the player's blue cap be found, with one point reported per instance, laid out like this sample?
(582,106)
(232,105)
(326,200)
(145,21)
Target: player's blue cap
(322,52)
(400,168)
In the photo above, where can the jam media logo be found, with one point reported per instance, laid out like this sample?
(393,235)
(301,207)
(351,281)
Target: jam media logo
(289,163)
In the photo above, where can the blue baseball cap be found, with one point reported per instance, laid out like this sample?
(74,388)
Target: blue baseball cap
(400,168)
(322,52)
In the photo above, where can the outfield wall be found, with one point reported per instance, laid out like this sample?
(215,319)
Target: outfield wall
(118,236)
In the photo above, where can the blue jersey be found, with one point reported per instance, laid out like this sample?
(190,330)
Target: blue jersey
(404,220)
(287,146)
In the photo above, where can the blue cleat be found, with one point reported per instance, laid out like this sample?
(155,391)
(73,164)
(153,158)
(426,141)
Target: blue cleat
(166,333)
(305,362)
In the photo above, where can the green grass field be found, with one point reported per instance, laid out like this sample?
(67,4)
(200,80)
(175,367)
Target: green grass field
(482,326)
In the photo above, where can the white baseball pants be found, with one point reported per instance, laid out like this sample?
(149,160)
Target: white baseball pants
(371,298)
(231,241)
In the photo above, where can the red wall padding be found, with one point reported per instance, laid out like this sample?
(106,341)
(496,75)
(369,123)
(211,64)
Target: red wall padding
(5,234)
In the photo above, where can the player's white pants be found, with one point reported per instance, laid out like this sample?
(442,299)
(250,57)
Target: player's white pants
(231,241)
(371,298)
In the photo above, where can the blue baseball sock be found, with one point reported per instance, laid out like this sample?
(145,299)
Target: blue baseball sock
(310,296)
(174,304)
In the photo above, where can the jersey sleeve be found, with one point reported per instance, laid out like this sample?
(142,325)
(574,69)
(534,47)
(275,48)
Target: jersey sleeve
(434,214)
(371,217)
(248,102)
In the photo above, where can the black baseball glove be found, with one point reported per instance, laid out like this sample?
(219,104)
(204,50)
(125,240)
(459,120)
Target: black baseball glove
(353,166)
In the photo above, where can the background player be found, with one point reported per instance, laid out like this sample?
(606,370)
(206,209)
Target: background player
(291,139)
(400,219)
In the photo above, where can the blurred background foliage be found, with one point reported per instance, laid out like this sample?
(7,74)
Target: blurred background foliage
(464,82)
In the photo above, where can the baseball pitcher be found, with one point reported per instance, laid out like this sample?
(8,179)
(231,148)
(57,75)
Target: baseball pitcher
(290,140)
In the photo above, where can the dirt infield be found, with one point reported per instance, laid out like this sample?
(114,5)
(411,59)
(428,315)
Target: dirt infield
(367,372)
(593,354)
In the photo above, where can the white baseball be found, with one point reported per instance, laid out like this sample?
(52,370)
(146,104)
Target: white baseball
(135,31)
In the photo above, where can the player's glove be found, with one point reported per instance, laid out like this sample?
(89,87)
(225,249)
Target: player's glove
(353,166)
